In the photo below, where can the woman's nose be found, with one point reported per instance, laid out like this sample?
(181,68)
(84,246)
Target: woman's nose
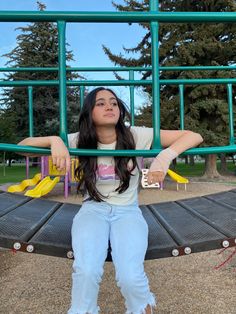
(109,106)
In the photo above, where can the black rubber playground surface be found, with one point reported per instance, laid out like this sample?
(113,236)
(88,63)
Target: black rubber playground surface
(175,228)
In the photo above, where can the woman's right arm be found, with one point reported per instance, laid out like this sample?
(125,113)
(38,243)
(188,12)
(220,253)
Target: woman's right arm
(59,151)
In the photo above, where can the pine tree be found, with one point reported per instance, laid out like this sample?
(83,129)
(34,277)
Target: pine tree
(188,44)
(7,134)
(37,46)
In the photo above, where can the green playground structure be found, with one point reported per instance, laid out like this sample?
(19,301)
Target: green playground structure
(153,17)
(176,228)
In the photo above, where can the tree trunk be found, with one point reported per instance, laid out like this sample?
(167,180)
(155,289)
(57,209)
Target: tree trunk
(233,159)
(186,160)
(191,161)
(9,163)
(223,164)
(210,167)
(174,163)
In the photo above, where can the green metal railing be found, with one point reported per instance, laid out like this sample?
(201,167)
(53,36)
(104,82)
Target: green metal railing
(153,17)
(119,17)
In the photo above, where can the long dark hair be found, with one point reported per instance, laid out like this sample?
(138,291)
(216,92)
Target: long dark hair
(86,171)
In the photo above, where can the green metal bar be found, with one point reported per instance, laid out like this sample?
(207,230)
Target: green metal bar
(120,82)
(115,17)
(110,69)
(231,113)
(197,68)
(76,83)
(109,83)
(29,69)
(75,69)
(131,92)
(81,96)
(30,83)
(181,95)
(155,79)
(199,81)
(61,25)
(95,152)
(31,115)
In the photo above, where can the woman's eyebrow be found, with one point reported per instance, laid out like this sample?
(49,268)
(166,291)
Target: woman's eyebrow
(112,98)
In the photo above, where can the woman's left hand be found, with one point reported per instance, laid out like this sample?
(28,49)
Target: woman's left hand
(155,177)
(160,166)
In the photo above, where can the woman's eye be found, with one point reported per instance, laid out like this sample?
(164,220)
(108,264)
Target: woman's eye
(114,104)
(100,104)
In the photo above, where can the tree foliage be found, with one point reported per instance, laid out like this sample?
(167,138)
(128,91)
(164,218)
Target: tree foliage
(7,131)
(7,127)
(37,46)
(187,44)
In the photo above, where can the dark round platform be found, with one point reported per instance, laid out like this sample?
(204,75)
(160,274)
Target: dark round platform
(175,228)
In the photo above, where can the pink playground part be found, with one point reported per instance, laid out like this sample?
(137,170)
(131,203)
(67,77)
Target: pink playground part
(27,167)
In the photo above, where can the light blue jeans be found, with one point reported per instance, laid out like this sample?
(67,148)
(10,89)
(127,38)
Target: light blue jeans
(93,226)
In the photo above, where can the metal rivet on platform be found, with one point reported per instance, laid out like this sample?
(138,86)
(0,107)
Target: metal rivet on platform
(187,250)
(70,254)
(17,245)
(30,248)
(225,243)
(175,252)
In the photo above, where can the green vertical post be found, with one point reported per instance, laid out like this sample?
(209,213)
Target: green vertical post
(61,26)
(131,91)
(31,115)
(181,96)
(155,78)
(231,114)
(81,90)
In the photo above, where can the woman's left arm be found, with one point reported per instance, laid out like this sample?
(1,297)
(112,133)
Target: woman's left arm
(176,142)
(180,141)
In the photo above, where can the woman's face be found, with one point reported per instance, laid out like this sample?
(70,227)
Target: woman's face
(106,111)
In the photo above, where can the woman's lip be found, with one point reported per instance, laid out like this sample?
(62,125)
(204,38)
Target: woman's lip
(109,115)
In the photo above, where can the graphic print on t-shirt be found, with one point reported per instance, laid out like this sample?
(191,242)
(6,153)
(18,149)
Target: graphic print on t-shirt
(106,172)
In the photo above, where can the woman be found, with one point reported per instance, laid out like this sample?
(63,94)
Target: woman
(110,212)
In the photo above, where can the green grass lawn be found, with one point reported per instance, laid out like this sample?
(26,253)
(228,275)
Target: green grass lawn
(198,169)
(17,173)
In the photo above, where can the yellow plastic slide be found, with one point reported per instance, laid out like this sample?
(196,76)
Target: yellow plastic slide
(176,177)
(44,187)
(24,184)
(179,179)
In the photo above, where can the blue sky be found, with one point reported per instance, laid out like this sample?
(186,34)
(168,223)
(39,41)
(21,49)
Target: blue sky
(85,39)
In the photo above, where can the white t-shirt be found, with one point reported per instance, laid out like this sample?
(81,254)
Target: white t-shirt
(107,181)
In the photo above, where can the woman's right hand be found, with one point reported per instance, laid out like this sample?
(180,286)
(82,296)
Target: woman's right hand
(60,154)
